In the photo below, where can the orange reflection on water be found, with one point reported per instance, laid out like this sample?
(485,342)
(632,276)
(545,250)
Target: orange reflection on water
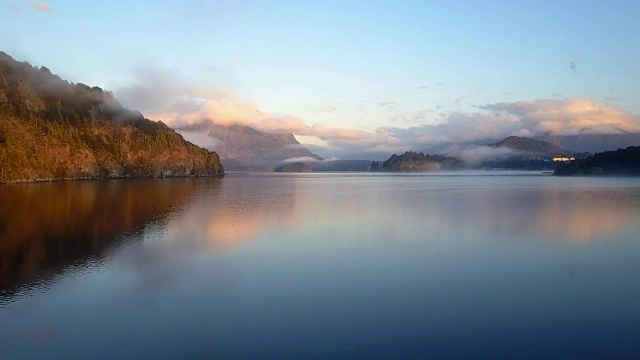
(572,215)
(47,226)
(585,216)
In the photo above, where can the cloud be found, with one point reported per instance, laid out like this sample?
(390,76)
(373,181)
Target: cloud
(387,104)
(454,127)
(161,95)
(435,132)
(16,8)
(41,6)
(324,109)
(413,118)
(425,87)
(420,88)
(523,133)
(304,159)
(569,116)
(476,155)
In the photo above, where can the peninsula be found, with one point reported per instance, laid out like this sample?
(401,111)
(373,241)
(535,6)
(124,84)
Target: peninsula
(51,129)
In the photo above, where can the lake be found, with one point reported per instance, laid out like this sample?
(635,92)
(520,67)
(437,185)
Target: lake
(317,266)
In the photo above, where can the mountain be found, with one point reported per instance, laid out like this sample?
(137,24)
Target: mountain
(619,162)
(244,148)
(593,142)
(417,162)
(51,129)
(519,153)
(532,146)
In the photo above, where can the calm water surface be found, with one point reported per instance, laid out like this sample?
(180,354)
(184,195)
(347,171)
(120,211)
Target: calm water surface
(460,265)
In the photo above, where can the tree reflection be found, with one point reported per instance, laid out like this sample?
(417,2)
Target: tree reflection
(47,227)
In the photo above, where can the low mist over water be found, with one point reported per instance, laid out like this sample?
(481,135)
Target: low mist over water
(440,265)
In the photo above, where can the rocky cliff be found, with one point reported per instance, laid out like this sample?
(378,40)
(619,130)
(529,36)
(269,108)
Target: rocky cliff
(51,129)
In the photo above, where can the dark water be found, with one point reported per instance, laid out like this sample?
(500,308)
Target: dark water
(322,266)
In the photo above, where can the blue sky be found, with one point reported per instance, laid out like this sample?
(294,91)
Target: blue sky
(392,72)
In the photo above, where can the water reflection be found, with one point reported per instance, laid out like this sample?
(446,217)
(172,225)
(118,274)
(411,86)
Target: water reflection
(45,228)
(574,215)
(324,266)
(389,209)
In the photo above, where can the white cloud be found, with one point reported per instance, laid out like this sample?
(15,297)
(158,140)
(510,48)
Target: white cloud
(420,88)
(478,154)
(387,104)
(304,159)
(569,116)
(16,8)
(162,96)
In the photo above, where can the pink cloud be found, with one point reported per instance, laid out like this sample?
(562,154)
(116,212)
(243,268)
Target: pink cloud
(41,6)
(163,97)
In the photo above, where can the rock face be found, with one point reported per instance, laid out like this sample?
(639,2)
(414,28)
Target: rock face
(417,162)
(51,130)
(619,162)
(244,148)
(297,167)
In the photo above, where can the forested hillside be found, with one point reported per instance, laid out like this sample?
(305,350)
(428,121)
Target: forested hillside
(619,162)
(52,129)
(417,162)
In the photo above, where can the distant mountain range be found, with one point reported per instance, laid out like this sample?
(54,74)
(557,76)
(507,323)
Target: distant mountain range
(583,143)
(513,152)
(244,148)
(538,149)
(519,153)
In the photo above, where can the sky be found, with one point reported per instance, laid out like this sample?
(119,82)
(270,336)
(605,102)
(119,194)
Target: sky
(349,76)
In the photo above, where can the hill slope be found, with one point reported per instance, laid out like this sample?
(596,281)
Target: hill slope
(51,129)
(244,148)
(619,162)
(533,146)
